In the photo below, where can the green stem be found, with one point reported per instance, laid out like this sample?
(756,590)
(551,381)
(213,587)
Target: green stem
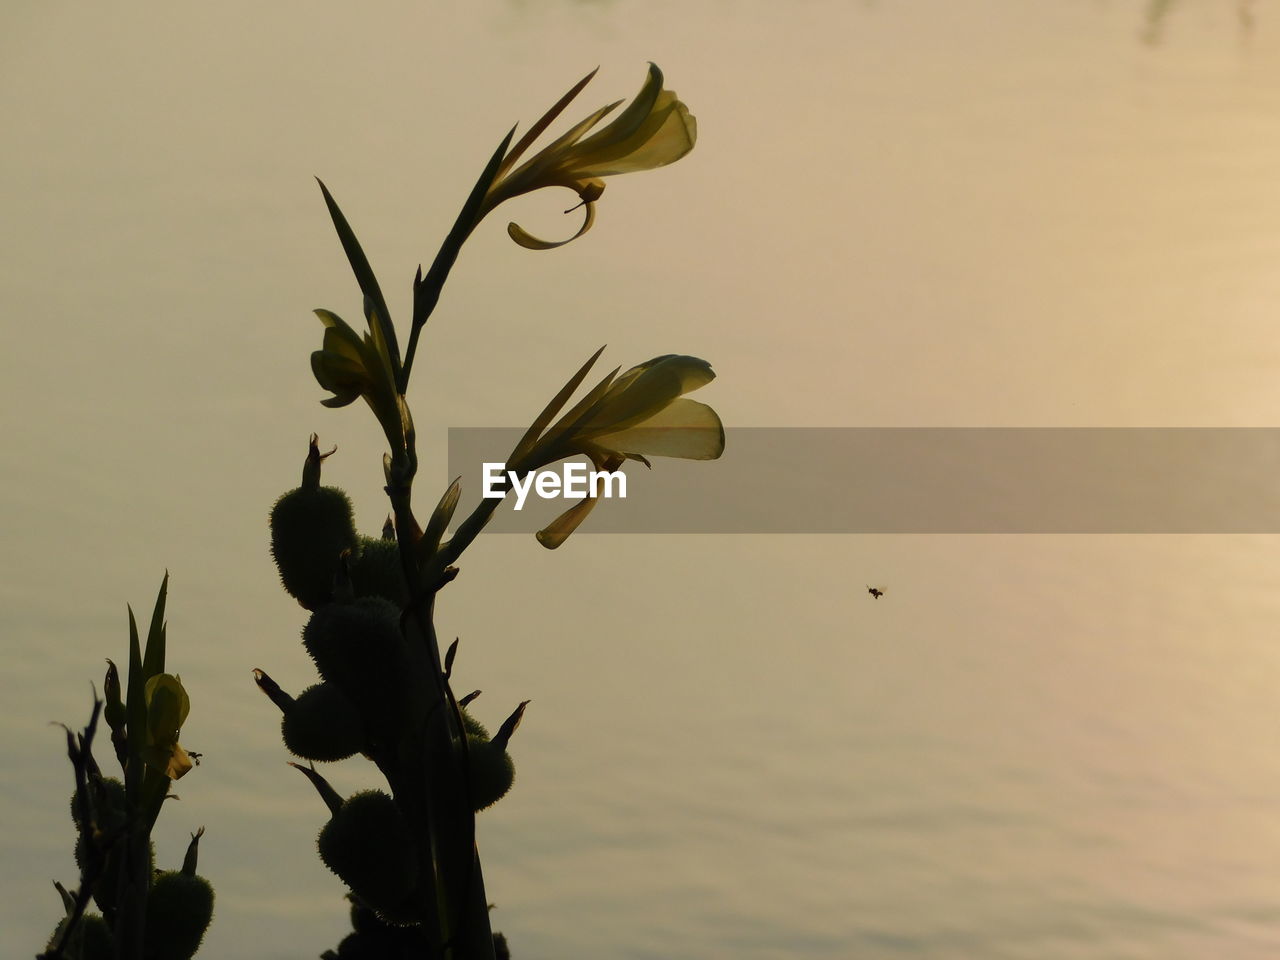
(428,776)
(426,290)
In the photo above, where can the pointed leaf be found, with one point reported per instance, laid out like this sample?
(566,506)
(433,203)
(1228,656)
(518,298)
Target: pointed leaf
(503,736)
(329,795)
(363,272)
(135,711)
(153,662)
(551,409)
(581,410)
(440,518)
(426,290)
(545,121)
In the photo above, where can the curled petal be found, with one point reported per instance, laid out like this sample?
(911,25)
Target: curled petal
(558,530)
(530,242)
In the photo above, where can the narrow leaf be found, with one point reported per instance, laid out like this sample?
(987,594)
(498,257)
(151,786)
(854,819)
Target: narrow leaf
(153,662)
(426,290)
(135,711)
(503,736)
(545,121)
(439,521)
(551,409)
(329,795)
(363,272)
(272,690)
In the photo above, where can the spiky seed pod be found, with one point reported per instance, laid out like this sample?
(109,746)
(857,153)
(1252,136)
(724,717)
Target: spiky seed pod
(323,724)
(377,940)
(368,845)
(376,571)
(108,801)
(105,888)
(109,813)
(310,528)
(91,940)
(363,917)
(359,648)
(475,729)
(491,771)
(179,909)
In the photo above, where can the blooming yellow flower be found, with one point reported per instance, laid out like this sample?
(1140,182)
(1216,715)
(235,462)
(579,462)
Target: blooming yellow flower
(167,708)
(639,414)
(655,129)
(351,366)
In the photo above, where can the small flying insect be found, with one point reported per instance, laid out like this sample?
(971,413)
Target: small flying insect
(875,592)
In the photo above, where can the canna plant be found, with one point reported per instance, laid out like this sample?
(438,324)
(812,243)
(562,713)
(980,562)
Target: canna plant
(407,849)
(144,914)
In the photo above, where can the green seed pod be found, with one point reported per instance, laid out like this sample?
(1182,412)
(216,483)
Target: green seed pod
(323,724)
(363,917)
(358,647)
(310,528)
(110,814)
(490,770)
(475,729)
(91,939)
(376,571)
(368,845)
(377,940)
(179,909)
(108,801)
(491,773)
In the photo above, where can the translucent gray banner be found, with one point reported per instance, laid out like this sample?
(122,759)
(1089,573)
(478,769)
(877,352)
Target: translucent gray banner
(926,480)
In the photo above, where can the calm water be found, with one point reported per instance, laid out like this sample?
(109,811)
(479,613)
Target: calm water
(989,214)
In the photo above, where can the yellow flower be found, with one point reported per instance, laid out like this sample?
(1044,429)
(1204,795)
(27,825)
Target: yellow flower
(655,129)
(352,366)
(639,414)
(167,708)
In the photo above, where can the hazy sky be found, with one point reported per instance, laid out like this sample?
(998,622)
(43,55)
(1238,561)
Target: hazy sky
(898,213)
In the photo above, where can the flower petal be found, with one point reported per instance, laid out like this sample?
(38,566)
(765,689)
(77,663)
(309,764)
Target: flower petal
(685,429)
(633,117)
(645,391)
(548,167)
(665,136)
(530,242)
(558,530)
